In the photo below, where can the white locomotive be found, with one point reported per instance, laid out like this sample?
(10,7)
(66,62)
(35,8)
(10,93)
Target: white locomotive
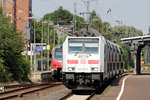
(89,62)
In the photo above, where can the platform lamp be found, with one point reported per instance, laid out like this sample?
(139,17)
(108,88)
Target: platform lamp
(48,46)
(43,22)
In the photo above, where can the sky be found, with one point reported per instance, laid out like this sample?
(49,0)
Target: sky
(130,12)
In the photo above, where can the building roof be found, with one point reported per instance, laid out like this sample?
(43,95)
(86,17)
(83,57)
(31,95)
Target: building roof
(68,29)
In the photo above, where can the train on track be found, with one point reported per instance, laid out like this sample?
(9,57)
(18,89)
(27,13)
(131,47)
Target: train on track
(90,60)
(56,62)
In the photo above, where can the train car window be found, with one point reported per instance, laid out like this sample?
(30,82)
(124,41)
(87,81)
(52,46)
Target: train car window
(119,57)
(117,49)
(112,57)
(121,65)
(121,50)
(107,44)
(108,68)
(114,48)
(109,55)
(110,46)
(105,51)
(116,56)
(114,67)
(117,65)
(58,54)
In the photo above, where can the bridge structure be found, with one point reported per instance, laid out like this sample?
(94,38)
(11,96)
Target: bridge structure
(136,44)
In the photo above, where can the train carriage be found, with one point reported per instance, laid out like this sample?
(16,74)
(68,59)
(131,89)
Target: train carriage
(88,62)
(56,62)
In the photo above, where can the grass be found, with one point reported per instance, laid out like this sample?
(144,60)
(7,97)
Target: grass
(106,90)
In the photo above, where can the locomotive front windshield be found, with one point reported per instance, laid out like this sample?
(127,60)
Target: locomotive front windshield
(58,54)
(83,46)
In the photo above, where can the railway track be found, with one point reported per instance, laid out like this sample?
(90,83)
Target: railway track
(18,86)
(26,90)
(72,96)
(66,96)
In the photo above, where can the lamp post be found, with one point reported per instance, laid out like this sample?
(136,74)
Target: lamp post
(43,22)
(42,48)
(34,47)
(48,50)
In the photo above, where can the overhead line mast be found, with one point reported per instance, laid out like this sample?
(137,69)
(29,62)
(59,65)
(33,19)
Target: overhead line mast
(87,4)
(74,17)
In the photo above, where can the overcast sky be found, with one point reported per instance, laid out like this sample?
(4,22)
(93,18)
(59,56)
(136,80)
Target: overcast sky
(130,12)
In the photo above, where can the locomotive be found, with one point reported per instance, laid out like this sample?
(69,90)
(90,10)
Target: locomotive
(90,60)
(56,62)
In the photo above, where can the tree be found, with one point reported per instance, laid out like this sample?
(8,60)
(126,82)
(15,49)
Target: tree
(60,16)
(125,31)
(79,23)
(64,17)
(102,27)
(13,65)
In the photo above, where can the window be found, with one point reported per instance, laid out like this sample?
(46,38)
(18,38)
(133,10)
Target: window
(91,47)
(83,46)
(58,54)
(75,46)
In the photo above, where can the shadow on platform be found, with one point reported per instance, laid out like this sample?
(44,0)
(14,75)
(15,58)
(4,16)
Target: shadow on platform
(145,73)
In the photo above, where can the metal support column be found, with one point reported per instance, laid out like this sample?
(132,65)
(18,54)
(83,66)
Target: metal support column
(31,55)
(137,62)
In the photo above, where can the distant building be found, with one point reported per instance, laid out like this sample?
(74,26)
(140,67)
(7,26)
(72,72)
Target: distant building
(19,11)
(63,30)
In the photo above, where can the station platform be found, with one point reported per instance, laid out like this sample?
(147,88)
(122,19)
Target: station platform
(136,87)
(41,76)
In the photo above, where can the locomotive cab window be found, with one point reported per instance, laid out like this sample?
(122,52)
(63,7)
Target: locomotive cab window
(75,46)
(91,47)
(58,54)
(83,46)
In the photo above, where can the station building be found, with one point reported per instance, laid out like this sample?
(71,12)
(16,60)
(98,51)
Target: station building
(19,12)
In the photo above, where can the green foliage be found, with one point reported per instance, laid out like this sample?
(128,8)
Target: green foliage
(102,27)
(127,57)
(12,63)
(60,16)
(80,23)
(125,31)
(119,32)
(64,17)
(53,38)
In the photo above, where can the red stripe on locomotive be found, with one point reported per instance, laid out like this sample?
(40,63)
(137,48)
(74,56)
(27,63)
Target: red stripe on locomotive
(93,62)
(72,61)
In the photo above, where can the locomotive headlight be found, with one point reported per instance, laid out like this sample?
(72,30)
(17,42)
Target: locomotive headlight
(70,69)
(94,69)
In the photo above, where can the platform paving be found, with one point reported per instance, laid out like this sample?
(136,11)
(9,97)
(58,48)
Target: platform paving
(137,87)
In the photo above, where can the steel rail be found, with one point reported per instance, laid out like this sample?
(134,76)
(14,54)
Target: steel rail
(31,91)
(90,96)
(66,96)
